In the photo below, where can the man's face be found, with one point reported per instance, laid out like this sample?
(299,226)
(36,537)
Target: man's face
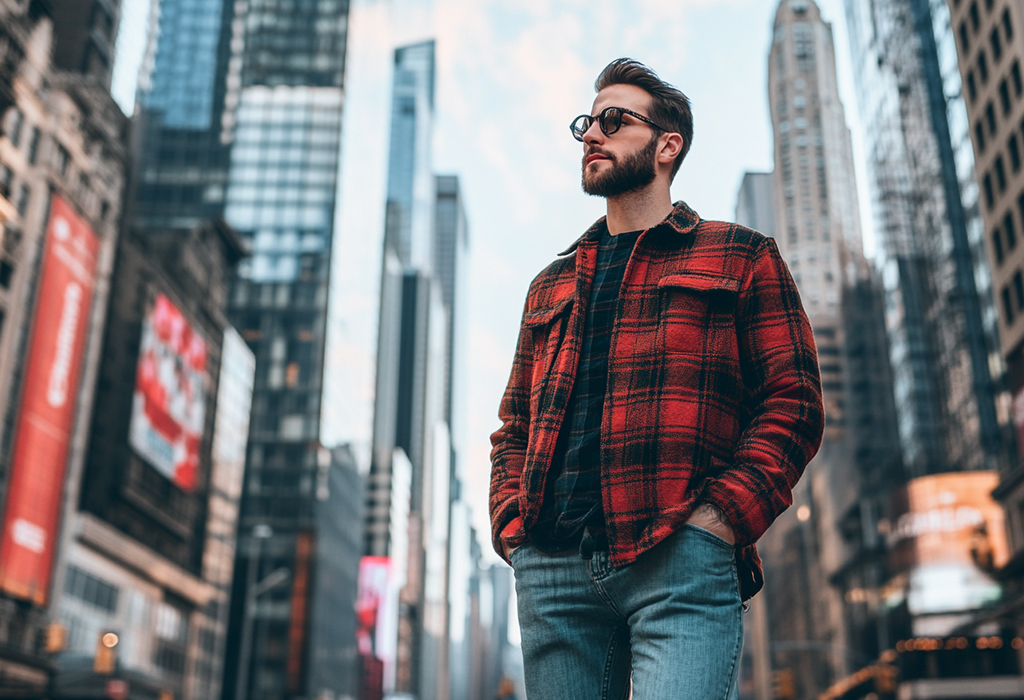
(624,161)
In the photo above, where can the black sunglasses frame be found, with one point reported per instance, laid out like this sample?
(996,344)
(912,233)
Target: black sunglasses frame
(602,118)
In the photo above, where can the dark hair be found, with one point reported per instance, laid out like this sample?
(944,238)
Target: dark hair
(669,106)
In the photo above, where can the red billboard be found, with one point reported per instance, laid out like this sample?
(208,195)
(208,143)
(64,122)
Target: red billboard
(169,405)
(43,430)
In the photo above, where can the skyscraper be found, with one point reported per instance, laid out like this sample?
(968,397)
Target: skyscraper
(817,227)
(418,403)
(990,49)
(941,321)
(282,116)
(241,117)
(181,162)
(63,164)
(755,203)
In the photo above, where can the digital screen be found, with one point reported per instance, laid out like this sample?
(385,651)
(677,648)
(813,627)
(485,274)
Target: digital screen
(946,541)
(169,404)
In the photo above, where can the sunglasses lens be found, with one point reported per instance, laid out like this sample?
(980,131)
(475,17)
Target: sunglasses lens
(611,120)
(579,126)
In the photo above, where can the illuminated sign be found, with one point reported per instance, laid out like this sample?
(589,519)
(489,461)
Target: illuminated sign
(43,431)
(169,404)
(945,540)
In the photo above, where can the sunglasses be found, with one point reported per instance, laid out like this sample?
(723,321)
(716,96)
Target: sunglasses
(610,121)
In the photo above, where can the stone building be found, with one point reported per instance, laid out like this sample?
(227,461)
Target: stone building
(63,157)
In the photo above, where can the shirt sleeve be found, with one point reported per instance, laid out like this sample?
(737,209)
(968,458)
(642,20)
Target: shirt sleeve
(779,362)
(509,443)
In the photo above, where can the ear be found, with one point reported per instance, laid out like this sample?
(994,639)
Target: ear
(671,146)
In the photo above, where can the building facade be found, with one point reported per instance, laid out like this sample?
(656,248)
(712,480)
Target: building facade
(156,499)
(63,159)
(990,49)
(240,113)
(282,115)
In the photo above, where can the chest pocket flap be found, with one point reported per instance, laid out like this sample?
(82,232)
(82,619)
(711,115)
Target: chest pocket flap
(701,282)
(545,315)
(697,315)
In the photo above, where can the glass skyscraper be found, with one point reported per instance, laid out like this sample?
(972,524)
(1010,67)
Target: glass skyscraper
(940,320)
(241,115)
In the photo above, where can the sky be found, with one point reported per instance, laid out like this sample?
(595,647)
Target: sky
(511,75)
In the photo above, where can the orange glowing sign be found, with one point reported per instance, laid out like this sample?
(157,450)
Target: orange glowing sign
(947,536)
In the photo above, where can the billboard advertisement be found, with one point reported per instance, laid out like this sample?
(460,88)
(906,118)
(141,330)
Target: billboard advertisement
(169,404)
(377,625)
(945,539)
(42,433)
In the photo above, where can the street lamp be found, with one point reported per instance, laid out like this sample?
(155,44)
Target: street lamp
(253,590)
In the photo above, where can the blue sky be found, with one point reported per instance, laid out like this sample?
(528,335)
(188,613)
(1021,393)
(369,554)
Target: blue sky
(511,76)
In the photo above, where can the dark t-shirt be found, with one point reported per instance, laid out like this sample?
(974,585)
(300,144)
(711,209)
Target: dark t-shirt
(572,499)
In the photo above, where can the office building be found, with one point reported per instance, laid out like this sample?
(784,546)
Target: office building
(908,579)
(282,116)
(409,407)
(158,492)
(755,203)
(63,159)
(924,198)
(240,116)
(990,49)
(84,37)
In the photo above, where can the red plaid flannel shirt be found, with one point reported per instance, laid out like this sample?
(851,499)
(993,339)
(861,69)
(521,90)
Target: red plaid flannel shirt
(713,388)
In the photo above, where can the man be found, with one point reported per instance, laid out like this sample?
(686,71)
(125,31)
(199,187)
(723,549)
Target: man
(663,401)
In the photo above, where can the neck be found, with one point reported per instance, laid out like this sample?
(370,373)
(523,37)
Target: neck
(639,210)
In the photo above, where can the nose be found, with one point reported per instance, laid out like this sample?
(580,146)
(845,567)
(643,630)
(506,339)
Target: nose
(593,135)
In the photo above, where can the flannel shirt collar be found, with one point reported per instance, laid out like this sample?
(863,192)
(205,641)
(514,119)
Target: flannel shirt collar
(682,221)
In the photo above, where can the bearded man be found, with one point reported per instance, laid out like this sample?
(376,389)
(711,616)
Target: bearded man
(663,401)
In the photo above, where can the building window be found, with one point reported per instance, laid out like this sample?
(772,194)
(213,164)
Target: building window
(1018,289)
(979,136)
(988,5)
(6,273)
(33,146)
(990,117)
(975,16)
(996,43)
(1000,174)
(13,126)
(1020,205)
(1014,150)
(1007,306)
(1004,97)
(86,587)
(1007,25)
(23,197)
(989,194)
(1015,77)
(983,66)
(972,89)
(1011,231)
(6,175)
(997,245)
(61,160)
(965,43)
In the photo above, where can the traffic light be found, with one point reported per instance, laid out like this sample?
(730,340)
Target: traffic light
(783,687)
(106,653)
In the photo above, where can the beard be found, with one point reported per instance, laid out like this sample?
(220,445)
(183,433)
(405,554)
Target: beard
(635,172)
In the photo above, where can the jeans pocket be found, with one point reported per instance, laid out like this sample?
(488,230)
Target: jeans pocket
(711,537)
(513,553)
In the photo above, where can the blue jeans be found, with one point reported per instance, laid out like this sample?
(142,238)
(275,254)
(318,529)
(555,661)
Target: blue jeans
(672,620)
